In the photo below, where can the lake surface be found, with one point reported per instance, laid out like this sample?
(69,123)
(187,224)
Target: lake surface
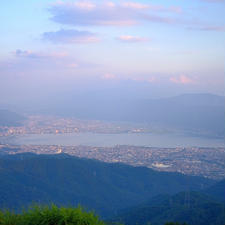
(102,140)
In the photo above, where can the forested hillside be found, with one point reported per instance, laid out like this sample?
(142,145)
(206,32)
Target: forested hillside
(185,207)
(67,180)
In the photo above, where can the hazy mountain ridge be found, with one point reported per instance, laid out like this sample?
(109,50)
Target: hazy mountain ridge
(67,180)
(203,112)
(194,112)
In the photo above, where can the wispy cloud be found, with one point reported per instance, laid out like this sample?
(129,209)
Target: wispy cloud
(38,55)
(132,39)
(135,5)
(208,28)
(70,36)
(73,65)
(121,13)
(108,13)
(213,1)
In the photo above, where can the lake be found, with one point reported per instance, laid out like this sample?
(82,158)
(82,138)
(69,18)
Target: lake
(102,140)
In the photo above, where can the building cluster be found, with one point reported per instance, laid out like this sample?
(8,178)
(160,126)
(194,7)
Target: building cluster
(55,125)
(207,162)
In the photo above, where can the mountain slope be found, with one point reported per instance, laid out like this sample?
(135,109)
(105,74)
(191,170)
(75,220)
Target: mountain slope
(190,207)
(64,179)
(217,190)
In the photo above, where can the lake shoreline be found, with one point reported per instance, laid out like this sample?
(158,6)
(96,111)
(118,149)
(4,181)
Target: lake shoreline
(109,140)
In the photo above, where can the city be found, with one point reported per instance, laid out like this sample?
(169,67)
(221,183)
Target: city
(207,162)
(39,124)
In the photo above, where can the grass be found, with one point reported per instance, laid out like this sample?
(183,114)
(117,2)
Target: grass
(53,215)
(50,215)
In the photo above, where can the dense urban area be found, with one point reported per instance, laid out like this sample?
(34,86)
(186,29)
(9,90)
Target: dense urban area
(57,125)
(207,162)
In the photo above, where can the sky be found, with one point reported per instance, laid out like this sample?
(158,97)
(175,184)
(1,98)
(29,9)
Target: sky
(145,48)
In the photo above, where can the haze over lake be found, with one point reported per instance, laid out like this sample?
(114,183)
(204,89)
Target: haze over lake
(102,140)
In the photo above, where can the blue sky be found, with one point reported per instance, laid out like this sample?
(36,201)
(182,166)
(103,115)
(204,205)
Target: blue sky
(176,46)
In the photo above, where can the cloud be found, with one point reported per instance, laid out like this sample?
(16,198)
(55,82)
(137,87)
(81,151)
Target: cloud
(131,39)
(208,28)
(38,55)
(182,79)
(153,8)
(108,13)
(73,65)
(108,76)
(135,5)
(70,36)
(214,1)
(122,13)
(84,5)
(151,79)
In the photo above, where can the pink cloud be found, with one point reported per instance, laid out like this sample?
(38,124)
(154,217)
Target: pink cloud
(135,5)
(108,13)
(85,5)
(122,13)
(129,38)
(182,79)
(108,76)
(110,4)
(73,65)
(118,23)
(151,7)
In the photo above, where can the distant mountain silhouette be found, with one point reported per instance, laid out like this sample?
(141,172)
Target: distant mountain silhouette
(202,113)
(67,180)
(189,111)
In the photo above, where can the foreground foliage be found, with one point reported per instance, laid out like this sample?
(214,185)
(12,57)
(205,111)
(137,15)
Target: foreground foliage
(53,215)
(50,215)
